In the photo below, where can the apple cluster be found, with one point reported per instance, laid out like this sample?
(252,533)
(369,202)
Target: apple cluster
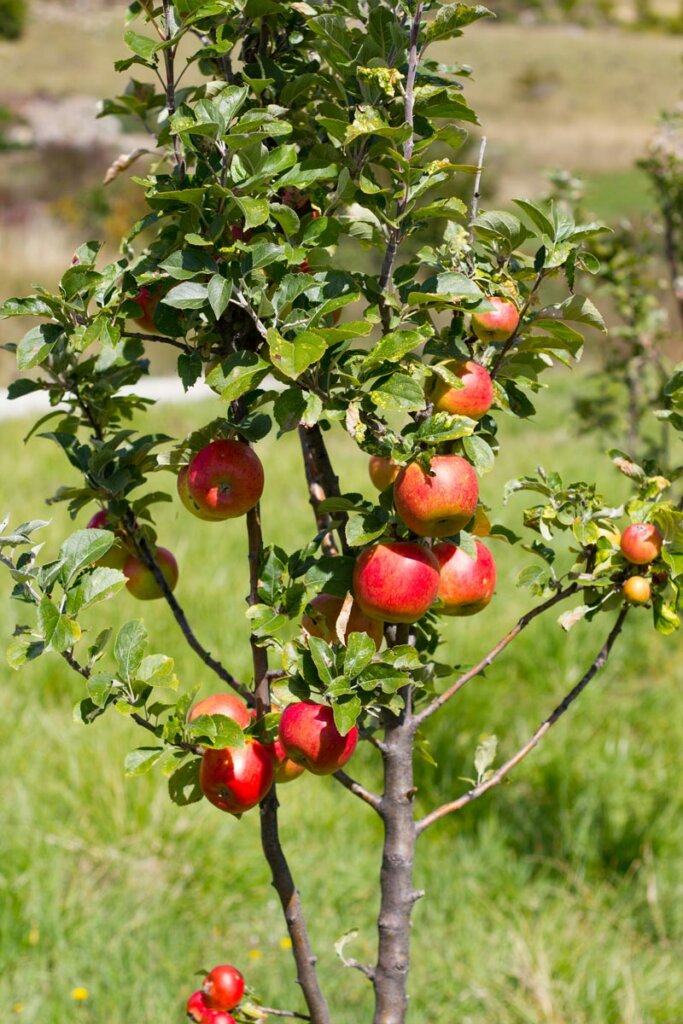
(641,544)
(221,991)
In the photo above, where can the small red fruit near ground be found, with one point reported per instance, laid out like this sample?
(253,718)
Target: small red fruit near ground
(222,704)
(326,612)
(637,590)
(473,399)
(223,987)
(439,503)
(225,479)
(141,582)
(466,584)
(396,581)
(285,769)
(310,738)
(235,779)
(382,471)
(641,543)
(499,324)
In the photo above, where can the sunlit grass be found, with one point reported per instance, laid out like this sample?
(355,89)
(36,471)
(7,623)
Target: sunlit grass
(555,899)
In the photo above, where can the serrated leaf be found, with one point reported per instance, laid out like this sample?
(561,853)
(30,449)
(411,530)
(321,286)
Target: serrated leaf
(254,211)
(292,358)
(100,585)
(59,631)
(393,347)
(157,670)
(129,648)
(141,46)
(142,760)
(346,714)
(479,453)
(323,658)
(188,295)
(574,615)
(485,755)
(81,549)
(360,650)
(183,785)
(237,374)
(219,291)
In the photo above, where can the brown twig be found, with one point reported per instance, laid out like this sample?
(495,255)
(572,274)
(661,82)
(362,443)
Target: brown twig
(476,195)
(283,1013)
(477,669)
(500,774)
(361,792)
(322,483)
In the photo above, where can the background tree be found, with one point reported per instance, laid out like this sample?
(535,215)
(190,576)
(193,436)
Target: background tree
(286,138)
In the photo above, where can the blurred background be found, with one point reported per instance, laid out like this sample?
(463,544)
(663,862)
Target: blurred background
(557,899)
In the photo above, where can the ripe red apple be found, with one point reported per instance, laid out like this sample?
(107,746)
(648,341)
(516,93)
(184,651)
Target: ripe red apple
(218,1017)
(188,501)
(148,300)
(141,582)
(309,736)
(467,584)
(641,543)
(498,325)
(225,479)
(116,557)
(396,581)
(222,704)
(382,471)
(473,399)
(440,504)
(223,987)
(637,590)
(196,1007)
(323,622)
(236,778)
(285,769)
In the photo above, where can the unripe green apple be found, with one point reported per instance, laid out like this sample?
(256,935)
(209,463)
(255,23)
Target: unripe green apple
(473,399)
(438,503)
(396,581)
(498,325)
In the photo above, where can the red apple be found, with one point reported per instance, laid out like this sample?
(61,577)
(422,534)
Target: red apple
(637,590)
(473,399)
(141,582)
(396,581)
(116,557)
(285,769)
(310,737)
(222,704)
(225,479)
(439,504)
(218,1017)
(196,1007)
(223,987)
(326,612)
(641,543)
(498,325)
(236,778)
(467,584)
(148,300)
(382,471)
(188,501)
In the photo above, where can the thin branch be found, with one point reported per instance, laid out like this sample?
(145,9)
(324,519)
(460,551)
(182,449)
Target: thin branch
(522,313)
(169,65)
(505,769)
(322,483)
(160,339)
(476,194)
(239,299)
(259,655)
(146,555)
(477,669)
(283,1013)
(354,787)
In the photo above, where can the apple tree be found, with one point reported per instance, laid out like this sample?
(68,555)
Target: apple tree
(304,251)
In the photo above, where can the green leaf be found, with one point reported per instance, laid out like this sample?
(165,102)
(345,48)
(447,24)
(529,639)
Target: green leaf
(59,631)
(400,393)
(129,648)
(665,618)
(189,368)
(36,345)
(142,46)
(189,295)
(265,621)
(293,358)
(99,585)
(219,291)
(32,306)
(442,427)
(81,549)
(183,785)
(393,347)
(360,650)
(323,658)
(364,527)
(295,406)
(452,18)
(142,760)
(216,731)
(254,211)
(157,670)
(485,755)
(237,374)
(346,714)
(479,453)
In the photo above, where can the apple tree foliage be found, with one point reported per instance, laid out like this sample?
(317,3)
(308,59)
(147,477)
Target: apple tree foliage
(311,261)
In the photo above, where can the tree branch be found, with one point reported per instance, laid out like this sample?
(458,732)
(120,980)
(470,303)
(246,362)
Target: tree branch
(476,195)
(505,769)
(477,669)
(169,66)
(522,313)
(322,483)
(361,792)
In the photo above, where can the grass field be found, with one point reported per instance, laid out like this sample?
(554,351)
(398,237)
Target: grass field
(555,899)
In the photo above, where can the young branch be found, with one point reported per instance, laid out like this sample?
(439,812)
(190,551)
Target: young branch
(322,483)
(476,195)
(283,1013)
(477,669)
(354,787)
(522,313)
(500,774)
(169,66)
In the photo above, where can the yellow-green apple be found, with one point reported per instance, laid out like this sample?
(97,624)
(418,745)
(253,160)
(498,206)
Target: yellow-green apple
(284,768)
(326,609)
(382,471)
(637,590)
(226,704)
(188,501)
(473,399)
(148,300)
(310,738)
(641,543)
(466,585)
(499,324)
(225,479)
(116,557)
(396,581)
(223,987)
(438,503)
(141,582)
(235,779)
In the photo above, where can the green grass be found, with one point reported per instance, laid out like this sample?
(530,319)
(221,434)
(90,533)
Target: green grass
(554,899)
